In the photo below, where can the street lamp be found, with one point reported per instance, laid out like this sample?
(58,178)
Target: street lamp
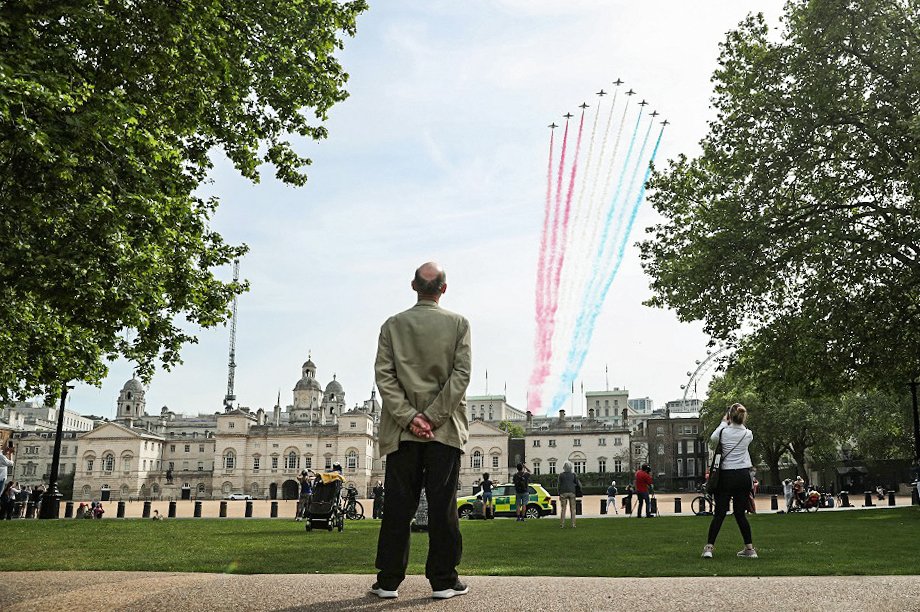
(51,500)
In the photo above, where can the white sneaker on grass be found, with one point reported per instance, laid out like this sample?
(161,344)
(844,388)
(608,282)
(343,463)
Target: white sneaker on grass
(707,551)
(748,553)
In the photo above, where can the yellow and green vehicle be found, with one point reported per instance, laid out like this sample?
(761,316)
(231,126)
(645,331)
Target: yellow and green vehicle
(505,500)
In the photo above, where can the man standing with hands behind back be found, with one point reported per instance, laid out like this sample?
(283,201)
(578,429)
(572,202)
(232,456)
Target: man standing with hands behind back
(422,371)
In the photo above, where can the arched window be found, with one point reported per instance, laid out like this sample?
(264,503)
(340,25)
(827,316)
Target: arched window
(291,460)
(477,460)
(108,462)
(87,491)
(227,487)
(351,460)
(155,489)
(254,489)
(90,462)
(229,460)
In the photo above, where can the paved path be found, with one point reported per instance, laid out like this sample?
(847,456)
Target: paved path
(144,591)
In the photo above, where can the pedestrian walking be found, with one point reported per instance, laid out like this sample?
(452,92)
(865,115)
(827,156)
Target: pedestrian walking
(735,482)
(488,506)
(612,498)
(378,500)
(566,484)
(787,494)
(306,492)
(422,371)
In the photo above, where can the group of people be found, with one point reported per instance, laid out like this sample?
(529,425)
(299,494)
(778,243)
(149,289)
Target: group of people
(92,510)
(20,501)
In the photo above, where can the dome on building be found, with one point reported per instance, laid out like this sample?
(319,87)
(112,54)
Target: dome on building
(307,384)
(334,386)
(133,385)
(308,365)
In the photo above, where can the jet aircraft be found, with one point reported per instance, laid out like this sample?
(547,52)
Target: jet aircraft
(568,115)
(602,93)
(643,103)
(618,82)
(630,93)
(552,126)
(654,113)
(583,105)
(665,122)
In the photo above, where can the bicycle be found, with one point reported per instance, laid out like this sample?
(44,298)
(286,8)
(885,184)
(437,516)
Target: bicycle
(703,504)
(352,508)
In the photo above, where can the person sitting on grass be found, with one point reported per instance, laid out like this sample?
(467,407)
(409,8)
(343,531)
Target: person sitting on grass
(157,516)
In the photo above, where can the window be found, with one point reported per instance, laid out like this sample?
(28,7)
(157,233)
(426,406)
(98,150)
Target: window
(602,466)
(255,463)
(172,448)
(536,444)
(536,468)
(188,448)
(328,445)
(231,425)
(127,464)
(552,466)
(201,466)
(691,467)
(108,463)
(618,441)
(229,460)
(606,412)
(328,463)
(602,441)
(597,403)
(552,443)
(89,465)
(353,425)
(617,465)
(494,462)
(577,442)
(308,462)
(145,444)
(351,460)
(201,448)
(201,487)
(145,465)
(616,402)
(661,449)
(580,467)
(274,462)
(680,468)
(292,461)
(477,460)
(659,430)
(64,450)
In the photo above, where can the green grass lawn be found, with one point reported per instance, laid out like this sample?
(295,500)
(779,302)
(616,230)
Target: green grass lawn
(825,543)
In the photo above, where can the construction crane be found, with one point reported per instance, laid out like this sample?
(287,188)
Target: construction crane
(231,364)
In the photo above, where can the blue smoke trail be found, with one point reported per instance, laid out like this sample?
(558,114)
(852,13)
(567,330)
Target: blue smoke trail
(591,305)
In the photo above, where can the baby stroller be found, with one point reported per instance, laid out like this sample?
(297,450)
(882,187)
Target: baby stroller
(324,509)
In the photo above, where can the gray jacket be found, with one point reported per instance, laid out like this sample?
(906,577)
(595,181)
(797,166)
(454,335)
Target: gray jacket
(567,481)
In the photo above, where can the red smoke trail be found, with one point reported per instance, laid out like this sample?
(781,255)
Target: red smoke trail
(541,272)
(542,337)
(560,255)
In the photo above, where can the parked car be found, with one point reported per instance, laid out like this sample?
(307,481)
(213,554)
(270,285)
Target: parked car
(505,502)
(238,496)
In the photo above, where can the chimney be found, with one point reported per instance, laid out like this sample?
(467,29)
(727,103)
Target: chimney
(277,416)
(591,413)
(562,415)
(260,417)
(529,419)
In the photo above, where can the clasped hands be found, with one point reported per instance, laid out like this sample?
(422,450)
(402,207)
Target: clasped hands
(421,427)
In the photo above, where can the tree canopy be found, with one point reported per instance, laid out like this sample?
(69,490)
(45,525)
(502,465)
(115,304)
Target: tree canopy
(799,222)
(109,115)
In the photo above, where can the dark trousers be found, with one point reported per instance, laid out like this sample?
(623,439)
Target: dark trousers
(734,486)
(640,499)
(435,466)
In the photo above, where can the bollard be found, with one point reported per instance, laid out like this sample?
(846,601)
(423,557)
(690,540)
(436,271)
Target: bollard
(146,513)
(197,509)
(223,509)
(628,505)
(653,506)
(869,503)
(274,511)
(248,508)
(774,503)
(603,506)
(890,498)
(915,497)
(845,500)
(121,510)
(577,506)
(554,506)
(677,502)
(172,509)
(68,510)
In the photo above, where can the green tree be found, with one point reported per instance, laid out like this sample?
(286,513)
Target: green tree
(110,113)
(878,423)
(514,430)
(798,222)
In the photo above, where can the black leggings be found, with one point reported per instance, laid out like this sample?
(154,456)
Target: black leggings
(734,485)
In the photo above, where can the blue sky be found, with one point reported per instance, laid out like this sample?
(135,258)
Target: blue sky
(440,153)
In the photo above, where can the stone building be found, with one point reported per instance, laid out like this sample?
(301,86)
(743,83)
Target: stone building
(592,445)
(675,447)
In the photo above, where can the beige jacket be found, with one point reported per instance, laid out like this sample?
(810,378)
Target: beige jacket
(423,366)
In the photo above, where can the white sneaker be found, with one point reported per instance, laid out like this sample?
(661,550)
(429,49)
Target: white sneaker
(457,589)
(383,593)
(748,553)
(707,552)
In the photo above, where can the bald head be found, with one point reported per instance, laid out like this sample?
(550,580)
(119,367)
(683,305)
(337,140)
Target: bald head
(430,281)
